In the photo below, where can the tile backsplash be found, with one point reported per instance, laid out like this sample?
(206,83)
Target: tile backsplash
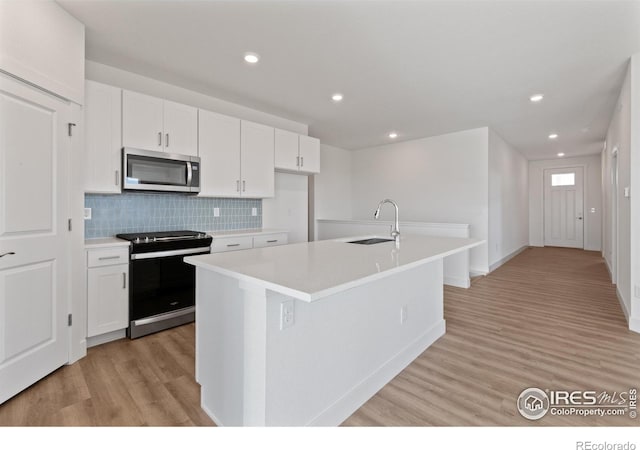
(140,212)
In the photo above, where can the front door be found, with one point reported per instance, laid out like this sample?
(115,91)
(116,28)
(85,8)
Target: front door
(34,291)
(563,207)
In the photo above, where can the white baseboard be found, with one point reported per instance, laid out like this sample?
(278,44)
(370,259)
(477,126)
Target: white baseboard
(477,273)
(460,282)
(634,324)
(107,337)
(211,415)
(339,411)
(623,305)
(500,262)
(606,264)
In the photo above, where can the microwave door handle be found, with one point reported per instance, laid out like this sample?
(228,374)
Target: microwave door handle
(189,173)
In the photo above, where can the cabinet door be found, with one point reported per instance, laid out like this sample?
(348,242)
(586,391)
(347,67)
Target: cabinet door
(103,138)
(256,156)
(180,129)
(219,149)
(309,154)
(107,299)
(286,150)
(142,121)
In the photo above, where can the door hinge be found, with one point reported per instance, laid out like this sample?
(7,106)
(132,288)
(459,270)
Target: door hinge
(70,320)
(70,126)
(70,225)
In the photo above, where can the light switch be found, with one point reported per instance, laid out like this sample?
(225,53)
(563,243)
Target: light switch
(216,212)
(627,192)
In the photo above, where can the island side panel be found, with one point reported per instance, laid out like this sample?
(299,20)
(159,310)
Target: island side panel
(342,349)
(220,346)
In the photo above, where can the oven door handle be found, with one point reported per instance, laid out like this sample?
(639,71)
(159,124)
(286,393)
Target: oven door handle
(188,251)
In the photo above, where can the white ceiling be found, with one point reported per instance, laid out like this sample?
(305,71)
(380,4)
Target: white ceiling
(420,68)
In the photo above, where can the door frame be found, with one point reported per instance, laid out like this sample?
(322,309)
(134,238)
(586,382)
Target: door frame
(585,226)
(614,214)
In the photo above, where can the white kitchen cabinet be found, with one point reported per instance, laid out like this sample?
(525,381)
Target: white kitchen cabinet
(296,153)
(180,129)
(107,290)
(103,138)
(270,240)
(247,240)
(257,160)
(309,154)
(219,148)
(286,150)
(151,123)
(236,157)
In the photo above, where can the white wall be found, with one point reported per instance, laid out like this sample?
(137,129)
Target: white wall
(618,254)
(43,44)
(508,200)
(134,82)
(592,198)
(437,179)
(331,195)
(288,208)
(635,193)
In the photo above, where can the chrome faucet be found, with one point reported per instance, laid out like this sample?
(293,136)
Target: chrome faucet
(395,230)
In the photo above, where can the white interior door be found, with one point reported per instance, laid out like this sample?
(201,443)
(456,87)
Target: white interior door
(564,207)
(33,236)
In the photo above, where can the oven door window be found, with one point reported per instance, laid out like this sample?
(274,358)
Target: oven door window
(160,285)
(145,170)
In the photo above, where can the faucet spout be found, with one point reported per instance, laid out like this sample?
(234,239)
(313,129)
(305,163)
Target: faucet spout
(395,230)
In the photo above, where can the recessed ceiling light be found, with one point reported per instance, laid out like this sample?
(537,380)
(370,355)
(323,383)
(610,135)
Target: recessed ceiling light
(336,97)
(393,135)
(560,154)
(536,98)
(251,58)
(553,136)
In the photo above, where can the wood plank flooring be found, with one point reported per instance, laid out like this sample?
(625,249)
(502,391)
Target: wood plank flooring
(549,318)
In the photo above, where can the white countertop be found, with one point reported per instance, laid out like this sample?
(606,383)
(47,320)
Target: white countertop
(240,233)
(313,270)
(105,242)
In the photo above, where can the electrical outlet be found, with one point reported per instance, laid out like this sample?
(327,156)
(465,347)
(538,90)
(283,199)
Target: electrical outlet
(254,211)
(216,212)
(87,214)
(627,192)
(287,316)
(403,314)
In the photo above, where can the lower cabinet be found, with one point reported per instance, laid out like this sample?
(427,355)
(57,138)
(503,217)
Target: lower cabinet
(229,244)
(107,290)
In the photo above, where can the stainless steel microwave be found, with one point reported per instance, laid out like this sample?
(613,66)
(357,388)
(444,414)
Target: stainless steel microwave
(145,170)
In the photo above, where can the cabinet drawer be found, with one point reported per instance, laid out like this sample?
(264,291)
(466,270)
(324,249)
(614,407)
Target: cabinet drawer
(230,244)
(107,256)
(270,240)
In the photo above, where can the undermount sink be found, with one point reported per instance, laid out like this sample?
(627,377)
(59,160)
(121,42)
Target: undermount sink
(370,241)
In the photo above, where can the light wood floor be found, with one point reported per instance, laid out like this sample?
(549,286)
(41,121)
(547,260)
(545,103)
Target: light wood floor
(549,318)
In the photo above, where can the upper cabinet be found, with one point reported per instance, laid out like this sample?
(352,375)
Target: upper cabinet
(296,153)
(236,157)
(43,44)
(151,123)
(256,160)
(103,138)
(219,137)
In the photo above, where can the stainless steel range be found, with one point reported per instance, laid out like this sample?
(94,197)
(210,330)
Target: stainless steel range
(162,286)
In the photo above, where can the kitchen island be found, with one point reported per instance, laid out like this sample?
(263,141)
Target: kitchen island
(304,334)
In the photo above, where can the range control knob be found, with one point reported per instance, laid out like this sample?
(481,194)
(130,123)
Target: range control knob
(146,239)
(137,240)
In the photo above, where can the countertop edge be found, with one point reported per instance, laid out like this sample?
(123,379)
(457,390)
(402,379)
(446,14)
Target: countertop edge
(313,296)
(104,243)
